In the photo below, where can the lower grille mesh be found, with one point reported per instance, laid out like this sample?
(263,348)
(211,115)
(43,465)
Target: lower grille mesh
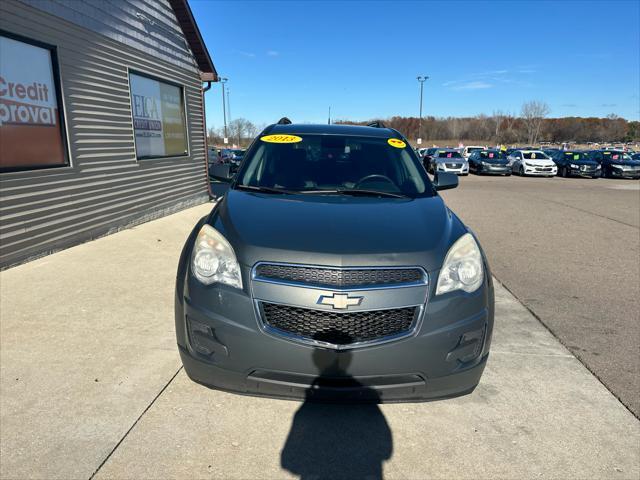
(338,328)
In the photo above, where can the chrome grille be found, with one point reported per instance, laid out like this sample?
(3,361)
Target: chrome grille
(334,277)
(338,328)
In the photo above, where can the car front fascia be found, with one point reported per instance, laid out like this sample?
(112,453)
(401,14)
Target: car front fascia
(232,316)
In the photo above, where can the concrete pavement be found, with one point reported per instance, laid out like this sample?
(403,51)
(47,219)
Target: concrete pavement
(88,384)
(86,342)
(568,248)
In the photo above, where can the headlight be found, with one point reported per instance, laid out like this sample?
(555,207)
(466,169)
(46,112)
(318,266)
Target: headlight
(573,165)
(462,268)
(598,167)
(213,259)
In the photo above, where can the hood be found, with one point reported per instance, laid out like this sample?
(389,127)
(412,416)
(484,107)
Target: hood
(450,160)
(630,163)
(337,230)
(538,161)
(495,161)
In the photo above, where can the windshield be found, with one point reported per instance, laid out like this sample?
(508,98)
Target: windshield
(492,155)
(617,156)
(534,156)
(574,156)
(335,164)
(446,154)
(473,149)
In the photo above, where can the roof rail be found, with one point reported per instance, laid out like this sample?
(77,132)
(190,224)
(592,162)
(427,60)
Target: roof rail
(284,121)
(377,124)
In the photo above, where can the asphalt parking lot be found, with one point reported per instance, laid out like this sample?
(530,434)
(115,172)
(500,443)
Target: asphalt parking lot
(92,387)
(569,249)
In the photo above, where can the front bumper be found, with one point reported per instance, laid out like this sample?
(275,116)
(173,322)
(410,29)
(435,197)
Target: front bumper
(619,173)
(431,363)
(579,172)
(542,171)
(494,169)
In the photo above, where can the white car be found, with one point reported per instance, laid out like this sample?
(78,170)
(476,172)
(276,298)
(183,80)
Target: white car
(467,151)
(532,162)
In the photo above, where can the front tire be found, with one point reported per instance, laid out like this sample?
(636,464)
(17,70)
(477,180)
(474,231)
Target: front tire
(565,172)
(521,171)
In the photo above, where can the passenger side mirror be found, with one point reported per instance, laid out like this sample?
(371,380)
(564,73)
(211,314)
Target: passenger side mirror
(445,181)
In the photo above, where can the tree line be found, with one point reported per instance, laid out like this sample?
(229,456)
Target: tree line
(530,126)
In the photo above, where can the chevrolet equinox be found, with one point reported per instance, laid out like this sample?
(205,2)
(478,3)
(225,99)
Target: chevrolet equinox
(332,269)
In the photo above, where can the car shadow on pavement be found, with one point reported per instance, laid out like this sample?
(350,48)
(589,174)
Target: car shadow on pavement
(331,440)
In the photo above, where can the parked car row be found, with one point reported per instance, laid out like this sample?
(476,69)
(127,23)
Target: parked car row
(527,161)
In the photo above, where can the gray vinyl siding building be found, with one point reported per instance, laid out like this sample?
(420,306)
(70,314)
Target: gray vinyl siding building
(102,181)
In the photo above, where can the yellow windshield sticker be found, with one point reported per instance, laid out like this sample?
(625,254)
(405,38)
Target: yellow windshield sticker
(281,139)
(396,142)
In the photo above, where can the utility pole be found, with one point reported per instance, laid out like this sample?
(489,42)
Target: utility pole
(224,80)
(421,79)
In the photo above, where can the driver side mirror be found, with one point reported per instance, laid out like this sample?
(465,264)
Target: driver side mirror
(445,181)
(221,172)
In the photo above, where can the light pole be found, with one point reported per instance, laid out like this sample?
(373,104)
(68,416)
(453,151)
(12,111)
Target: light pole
(421,79)
(224,80)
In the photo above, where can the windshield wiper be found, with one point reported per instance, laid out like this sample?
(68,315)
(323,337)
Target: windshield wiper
(357,191)
(264,189)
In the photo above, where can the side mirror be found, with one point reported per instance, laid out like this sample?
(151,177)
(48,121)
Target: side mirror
(445,181)
(221,172)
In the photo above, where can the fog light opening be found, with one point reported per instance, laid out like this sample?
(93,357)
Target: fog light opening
(469,346)
(203,339)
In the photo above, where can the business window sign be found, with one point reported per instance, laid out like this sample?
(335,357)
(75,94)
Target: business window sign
(158,118)
(30,131)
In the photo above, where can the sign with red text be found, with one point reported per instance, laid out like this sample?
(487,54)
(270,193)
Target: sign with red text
(30,131)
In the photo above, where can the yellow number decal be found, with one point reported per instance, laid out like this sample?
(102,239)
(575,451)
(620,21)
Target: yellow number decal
(281,139)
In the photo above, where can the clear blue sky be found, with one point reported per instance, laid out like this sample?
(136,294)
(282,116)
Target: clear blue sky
(362,58)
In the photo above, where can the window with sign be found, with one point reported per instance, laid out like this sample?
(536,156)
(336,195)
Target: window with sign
(31,121)
(158,118)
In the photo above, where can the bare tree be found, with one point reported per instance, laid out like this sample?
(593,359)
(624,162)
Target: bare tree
(533,113)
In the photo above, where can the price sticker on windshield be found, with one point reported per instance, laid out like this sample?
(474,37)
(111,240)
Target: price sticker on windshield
(281,139)
(396,142)
(576,156)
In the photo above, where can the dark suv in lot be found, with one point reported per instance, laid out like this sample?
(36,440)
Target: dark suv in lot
(333,270)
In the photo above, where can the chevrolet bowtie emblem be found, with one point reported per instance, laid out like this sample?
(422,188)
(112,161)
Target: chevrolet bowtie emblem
(340,301)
